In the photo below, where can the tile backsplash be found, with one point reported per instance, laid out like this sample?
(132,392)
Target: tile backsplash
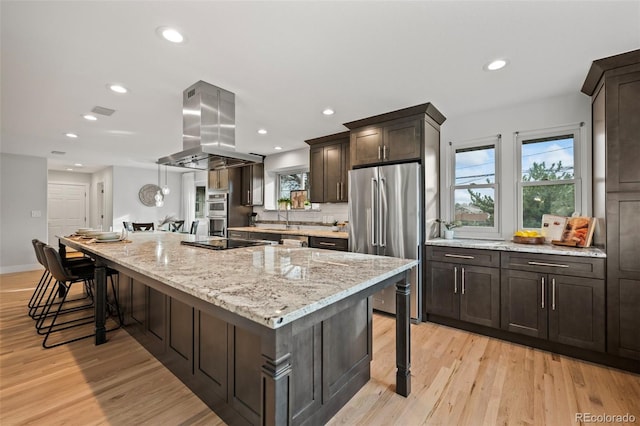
(327,213)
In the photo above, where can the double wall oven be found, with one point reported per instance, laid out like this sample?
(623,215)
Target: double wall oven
(218,214)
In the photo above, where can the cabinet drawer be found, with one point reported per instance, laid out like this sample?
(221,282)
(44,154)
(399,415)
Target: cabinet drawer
(264,236)
(238,234)
(463,255)
(341,244)
(555,264)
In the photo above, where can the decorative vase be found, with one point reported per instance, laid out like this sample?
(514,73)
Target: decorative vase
(448,234)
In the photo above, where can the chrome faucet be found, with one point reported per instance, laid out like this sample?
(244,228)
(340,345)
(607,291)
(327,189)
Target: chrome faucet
(285,217)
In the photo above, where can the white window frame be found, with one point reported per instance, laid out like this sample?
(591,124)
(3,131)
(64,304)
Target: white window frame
(477,231)
(520,137)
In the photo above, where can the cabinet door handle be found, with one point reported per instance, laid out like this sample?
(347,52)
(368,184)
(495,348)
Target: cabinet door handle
(555,265)
(248,196)
(379,148)
(337,190)
(384,152)
(342,197)
(542,293)
(455,279)
(553,294)
(327,244)
(458,256)
(462,280)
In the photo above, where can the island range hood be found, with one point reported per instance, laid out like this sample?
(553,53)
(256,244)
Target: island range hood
(208,131)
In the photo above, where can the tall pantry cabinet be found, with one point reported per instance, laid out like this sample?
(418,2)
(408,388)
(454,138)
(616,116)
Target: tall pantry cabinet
(614,86)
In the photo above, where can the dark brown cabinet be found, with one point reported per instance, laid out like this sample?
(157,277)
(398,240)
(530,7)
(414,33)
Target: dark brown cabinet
(393,137)
(459,288)
(329,168)
(252,185)
(541,298)
(340,244)
(614,85)
(218,179)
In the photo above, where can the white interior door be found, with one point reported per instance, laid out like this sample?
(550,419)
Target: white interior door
(66,209)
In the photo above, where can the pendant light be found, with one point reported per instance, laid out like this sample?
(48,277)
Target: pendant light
(165,188)
(159,197)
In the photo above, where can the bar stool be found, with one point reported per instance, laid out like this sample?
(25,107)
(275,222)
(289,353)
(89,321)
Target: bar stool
(36,304)
(68,277)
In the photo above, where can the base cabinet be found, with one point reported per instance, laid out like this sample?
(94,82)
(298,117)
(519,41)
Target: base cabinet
(562,308)
(463,291)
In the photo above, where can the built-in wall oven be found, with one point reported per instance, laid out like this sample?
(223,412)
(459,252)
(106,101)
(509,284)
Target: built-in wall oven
(217,210)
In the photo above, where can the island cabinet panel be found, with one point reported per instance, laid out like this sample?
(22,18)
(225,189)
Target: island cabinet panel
(180,339)
(229,365)
(340,364)
(211,356)
(245,368)
(306,381)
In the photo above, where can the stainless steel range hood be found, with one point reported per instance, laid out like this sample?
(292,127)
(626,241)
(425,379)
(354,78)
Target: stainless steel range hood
(208,131)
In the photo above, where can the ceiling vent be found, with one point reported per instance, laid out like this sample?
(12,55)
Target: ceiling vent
(103,111)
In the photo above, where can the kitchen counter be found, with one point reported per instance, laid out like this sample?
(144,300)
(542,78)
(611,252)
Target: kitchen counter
(511,246)
(271,285)
(272,326)
(303,232)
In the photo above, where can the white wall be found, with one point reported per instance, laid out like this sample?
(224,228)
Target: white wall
(542,114)
(127,181)
(55,176)
(23,189)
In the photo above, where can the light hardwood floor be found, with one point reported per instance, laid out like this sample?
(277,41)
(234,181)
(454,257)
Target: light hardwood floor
(459,378)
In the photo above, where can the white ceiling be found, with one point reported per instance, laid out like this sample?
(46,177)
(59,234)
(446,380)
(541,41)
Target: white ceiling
(285,61)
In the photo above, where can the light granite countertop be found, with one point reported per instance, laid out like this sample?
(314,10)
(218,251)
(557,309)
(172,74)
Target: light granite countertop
(303,232)
(511,246)
(271,285)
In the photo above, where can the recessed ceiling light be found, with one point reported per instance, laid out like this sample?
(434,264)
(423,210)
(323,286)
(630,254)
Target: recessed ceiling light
(71,135)
(78,165)
(277,148)
(170,34)
(328,111)
(262,131)
(496,65)
(118,88)
(69,170)
(90,117)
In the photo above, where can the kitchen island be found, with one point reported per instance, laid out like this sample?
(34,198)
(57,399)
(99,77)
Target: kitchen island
(264,334)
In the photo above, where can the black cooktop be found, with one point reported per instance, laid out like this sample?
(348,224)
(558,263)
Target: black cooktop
(225,243)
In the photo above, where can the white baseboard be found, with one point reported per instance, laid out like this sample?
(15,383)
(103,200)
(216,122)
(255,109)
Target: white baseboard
(20,268)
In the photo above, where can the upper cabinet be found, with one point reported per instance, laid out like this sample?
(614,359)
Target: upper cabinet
(219,179)
(329,168)
(253,185)
(392,137)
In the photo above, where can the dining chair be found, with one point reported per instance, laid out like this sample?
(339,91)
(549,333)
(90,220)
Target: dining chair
(127,226)
(147,226)
(194,227)
(176,226)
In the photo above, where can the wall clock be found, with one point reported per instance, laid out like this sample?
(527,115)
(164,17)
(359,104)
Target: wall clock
(147,194)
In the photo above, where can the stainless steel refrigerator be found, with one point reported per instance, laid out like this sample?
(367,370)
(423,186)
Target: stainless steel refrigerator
(384,219)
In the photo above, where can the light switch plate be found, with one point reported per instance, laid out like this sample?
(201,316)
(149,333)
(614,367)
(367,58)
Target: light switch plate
(36,213)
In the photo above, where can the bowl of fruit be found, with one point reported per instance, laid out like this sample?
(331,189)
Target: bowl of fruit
(528,237)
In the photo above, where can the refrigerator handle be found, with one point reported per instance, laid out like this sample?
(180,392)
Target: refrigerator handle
(374,211)
(383,212)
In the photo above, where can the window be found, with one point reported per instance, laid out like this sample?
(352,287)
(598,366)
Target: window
(474,192)
(549,178)
(291,181)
